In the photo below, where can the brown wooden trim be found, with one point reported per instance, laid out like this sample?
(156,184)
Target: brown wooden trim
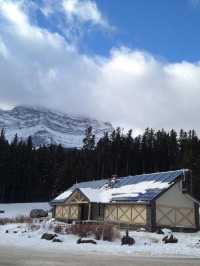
(153,215)
(77,190)
(184,214)
(127,203)
(54,212)
(165,215)
(139,214)
(105,204)
(196,209)
(174,206)
(71,203)
(89,211)
(124,213)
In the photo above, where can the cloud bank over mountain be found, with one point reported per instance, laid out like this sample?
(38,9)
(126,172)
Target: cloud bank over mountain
(129,87)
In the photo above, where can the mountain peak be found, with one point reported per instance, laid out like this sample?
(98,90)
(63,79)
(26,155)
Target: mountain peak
(47,126)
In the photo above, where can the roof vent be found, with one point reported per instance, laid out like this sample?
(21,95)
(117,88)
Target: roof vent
(112,181)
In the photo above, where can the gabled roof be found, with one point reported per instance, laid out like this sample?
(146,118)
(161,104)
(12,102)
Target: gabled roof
(138,188)
(95,185)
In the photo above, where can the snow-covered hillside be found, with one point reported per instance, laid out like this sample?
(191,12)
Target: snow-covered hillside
(47,126)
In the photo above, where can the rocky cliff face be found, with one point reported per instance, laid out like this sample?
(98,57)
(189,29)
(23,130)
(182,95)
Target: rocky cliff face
(47,126)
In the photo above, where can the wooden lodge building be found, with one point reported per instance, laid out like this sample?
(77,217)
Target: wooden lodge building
(152,201)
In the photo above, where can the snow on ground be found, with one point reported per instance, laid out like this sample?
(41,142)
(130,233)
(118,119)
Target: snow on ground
(147,244)
(21,209)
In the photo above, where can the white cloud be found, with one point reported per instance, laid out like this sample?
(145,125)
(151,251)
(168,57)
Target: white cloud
(74,18)
(85,11)
(16,25)
(129,87)
(143,91)
(12,12)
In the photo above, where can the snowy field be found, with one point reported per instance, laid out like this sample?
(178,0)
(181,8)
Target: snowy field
(21,209)
(147,244)
(28,236)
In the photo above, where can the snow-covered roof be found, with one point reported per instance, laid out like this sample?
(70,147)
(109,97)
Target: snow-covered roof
(138,188)
(95,185)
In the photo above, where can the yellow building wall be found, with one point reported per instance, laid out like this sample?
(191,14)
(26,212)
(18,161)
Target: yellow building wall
(67,212)
(129,213)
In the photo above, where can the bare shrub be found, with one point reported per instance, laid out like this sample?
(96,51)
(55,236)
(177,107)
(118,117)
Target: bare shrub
(23,219)
(107,232)
(35,227)
(82,230)
(18,219)
(51,227)
(110,232)
(4,221)
(99,232)
(58,229)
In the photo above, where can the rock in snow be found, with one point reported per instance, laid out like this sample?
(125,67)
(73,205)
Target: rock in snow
(86,241)
(38,213)
(170,239)
(49,127)
(127,240)
(48,236)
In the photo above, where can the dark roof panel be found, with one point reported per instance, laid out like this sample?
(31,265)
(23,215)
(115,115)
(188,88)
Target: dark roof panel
(149,194)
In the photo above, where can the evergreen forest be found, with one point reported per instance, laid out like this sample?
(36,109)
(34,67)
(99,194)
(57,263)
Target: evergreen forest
(29,173)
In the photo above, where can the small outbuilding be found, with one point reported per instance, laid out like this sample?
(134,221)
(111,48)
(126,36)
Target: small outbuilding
(154,200)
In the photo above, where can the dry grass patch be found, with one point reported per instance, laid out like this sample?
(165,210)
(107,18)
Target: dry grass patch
(18,219)
(106,232)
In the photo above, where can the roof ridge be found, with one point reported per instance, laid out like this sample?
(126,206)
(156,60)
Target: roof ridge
(157,173)
(152,173)
(94,180)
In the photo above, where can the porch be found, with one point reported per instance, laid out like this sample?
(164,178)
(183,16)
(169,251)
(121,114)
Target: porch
(80,212)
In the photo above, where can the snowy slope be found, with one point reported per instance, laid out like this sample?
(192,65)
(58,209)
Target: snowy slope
(47,126)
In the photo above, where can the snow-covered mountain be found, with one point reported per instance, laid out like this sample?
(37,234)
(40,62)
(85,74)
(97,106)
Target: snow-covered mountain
(47,126)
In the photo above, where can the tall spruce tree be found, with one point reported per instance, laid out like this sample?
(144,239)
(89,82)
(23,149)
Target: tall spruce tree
(89,140)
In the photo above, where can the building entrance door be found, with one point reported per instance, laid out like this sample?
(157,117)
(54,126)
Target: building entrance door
(84,211)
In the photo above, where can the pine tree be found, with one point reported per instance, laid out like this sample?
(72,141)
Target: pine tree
(89,140)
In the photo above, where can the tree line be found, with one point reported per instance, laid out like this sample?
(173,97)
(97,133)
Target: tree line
(29,174)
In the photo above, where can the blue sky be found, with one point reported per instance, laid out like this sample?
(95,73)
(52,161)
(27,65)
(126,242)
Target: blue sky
(135,63)
(169,28)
